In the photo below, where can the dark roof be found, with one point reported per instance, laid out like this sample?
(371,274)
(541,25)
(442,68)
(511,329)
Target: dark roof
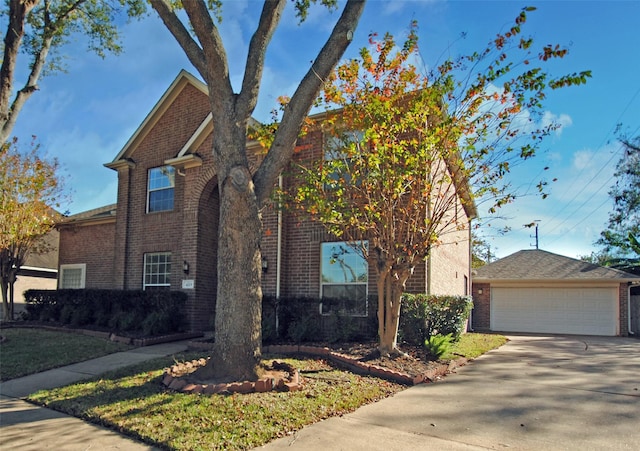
(536,264)
(108,211)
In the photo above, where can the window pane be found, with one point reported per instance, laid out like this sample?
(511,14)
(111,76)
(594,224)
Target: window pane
(344,278)
(350,299)
(161,189)
(71,278)
(163,177)
(161,200)
(157,270)
(342,264)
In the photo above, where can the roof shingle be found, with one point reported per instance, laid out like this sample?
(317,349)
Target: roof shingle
(535,264)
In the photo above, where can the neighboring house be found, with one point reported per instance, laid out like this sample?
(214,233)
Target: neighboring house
(539,292)
(162,233)
(39,272)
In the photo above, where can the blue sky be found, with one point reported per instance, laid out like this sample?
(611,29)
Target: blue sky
(85,116)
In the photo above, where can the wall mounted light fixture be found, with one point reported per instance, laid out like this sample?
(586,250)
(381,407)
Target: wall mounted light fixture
(185,267)
(265,264)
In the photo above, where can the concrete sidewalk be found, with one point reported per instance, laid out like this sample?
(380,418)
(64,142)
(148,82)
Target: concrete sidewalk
(25,426)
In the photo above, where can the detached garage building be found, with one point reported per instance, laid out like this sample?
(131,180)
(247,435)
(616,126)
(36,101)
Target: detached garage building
(535,291)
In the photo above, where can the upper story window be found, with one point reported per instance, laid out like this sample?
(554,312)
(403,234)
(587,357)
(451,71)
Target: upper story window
(345,275)
(160,189)
(339,152)
(157,270)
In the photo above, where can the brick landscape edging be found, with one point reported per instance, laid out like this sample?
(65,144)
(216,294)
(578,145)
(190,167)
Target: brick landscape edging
(364,368)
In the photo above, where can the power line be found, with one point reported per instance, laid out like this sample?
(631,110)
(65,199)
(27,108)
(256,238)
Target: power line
(584,186)
(571,215)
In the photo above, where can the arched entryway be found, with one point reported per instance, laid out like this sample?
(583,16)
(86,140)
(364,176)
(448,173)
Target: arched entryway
(200,250)
(207,254)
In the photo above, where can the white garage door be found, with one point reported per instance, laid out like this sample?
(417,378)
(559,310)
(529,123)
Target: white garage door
(583,311)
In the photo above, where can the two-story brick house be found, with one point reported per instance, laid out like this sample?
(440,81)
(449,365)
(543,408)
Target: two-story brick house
(162,232)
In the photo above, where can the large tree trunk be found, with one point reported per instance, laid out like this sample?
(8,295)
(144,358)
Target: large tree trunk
(239,301)
(391,285)
(238,331)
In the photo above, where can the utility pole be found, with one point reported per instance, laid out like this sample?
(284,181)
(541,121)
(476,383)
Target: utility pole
(536,221)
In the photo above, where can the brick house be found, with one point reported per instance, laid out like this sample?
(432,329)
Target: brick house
(162,232)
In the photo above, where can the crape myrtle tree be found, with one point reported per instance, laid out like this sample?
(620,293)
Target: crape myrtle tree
(244,192)
(404,150)
(35,33)
(31,190)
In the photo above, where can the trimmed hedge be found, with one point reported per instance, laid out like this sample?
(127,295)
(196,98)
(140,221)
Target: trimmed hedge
(299,320)
(146,312)
(423,316)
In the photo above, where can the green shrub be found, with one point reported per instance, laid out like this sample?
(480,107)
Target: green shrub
(423,316)
(149,312)
(344,328)
(270,306)
(299,320)
(124,321)
(156,323)
(438,345)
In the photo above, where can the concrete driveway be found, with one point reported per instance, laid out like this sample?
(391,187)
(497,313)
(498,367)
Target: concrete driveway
(536,392)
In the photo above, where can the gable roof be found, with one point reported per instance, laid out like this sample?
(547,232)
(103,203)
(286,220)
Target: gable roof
(183,79)
(186,156)
(539,265)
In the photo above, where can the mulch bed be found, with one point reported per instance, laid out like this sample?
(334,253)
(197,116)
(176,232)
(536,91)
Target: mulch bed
(414,362)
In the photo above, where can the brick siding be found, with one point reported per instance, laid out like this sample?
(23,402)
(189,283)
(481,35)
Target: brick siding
(114,253)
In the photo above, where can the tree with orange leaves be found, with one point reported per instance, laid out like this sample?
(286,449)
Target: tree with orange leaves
(30,191)
(405,151)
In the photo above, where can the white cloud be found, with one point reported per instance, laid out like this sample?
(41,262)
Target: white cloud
(562,120)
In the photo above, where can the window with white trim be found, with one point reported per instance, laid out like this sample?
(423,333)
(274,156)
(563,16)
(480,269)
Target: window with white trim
(72,276)
(345,277)
(160,189)
(157,270)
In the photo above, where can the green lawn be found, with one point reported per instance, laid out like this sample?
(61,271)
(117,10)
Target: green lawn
(472,345)
(27,351)
(134,401)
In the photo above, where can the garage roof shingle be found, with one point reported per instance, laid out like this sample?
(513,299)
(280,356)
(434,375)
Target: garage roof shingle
(535,264)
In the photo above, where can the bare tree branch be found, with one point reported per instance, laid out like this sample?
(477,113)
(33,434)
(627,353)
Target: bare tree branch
(282,148)
(269,19)
(191,48)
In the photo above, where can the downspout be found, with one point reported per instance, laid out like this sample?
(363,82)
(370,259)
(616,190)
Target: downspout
(629,331)
(278,256)
(470,281)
